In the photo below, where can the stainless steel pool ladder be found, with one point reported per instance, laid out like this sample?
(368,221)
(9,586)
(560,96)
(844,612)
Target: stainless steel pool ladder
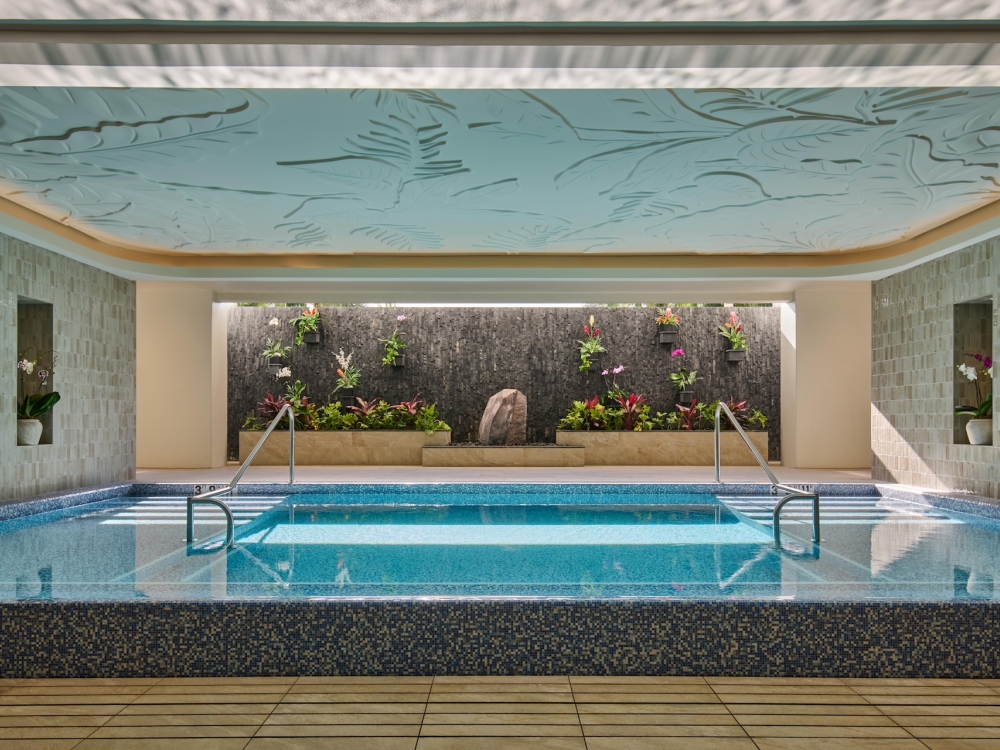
(793,494)
(212,497)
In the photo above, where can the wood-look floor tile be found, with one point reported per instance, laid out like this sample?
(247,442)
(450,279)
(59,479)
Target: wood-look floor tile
(40,744)
(349,680)
(508,687)
(174,730)
(662,730)
(367,689)
(227,698)
(343,718)
(75,690)
(250,689)
(817,720)
(721,719)
(600,680)
(654,688)
(498,697)
(907,682)
(947,721)
(357,698)
(152,720)
(922,700)
(500,680)
(339,730)
(43,733)
(815,690)
(622,697)
(501,708)
(800,697)
(921,690)
(838,743)
(87,682)
(926,710)
(63,700)
(72,720)
(982,733)
(813,731)
(368,708)
(962,744)
(108,709)
(165,743)
(331,743)
(233,681)
(501,730)
(651,708)
(670,743)
(431,719)
(501,743)
(183,709)
(799,681)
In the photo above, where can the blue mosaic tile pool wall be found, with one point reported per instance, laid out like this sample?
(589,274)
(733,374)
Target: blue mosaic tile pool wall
(971,504)
(381,493)
(518,637)
(57,501)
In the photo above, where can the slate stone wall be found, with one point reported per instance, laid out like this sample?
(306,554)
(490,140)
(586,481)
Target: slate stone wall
(459,357)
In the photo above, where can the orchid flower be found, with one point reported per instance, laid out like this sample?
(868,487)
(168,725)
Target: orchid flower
(274,322)
(400,318)
(284,372)
(677,353)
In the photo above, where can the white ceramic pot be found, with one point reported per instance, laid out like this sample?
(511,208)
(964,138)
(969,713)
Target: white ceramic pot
(980,431)
(29,431)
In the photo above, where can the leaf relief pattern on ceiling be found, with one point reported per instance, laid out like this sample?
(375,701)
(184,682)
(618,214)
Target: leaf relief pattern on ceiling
(339,171)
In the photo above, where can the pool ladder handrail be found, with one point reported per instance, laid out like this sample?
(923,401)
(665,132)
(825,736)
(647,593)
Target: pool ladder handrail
(793,493)
(212,496)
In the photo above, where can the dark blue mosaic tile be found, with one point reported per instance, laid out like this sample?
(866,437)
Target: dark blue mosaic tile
(59,500)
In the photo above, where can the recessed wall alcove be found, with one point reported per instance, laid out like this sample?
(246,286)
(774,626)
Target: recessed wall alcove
(973,334)
(34,340)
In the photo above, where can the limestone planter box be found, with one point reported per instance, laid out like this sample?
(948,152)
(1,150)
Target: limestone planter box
(662,447)
(343,447)
(504,455)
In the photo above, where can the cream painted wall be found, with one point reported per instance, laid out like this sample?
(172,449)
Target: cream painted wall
(180,377)
(826,377)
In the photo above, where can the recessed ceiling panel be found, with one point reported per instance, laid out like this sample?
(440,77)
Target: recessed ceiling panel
(459,171)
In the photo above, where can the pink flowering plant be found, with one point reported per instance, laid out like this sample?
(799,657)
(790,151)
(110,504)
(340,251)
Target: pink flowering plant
(32,402)
(733,332)
(982,369)
(394,345)
(590,345)
(614,388)
(682,378)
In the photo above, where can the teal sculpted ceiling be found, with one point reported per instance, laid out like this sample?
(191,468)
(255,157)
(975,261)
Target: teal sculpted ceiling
(711,171)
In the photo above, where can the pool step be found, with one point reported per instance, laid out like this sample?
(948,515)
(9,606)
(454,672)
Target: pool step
(836,510)
(173,511)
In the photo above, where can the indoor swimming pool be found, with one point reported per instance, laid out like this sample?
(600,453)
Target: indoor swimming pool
(566,541)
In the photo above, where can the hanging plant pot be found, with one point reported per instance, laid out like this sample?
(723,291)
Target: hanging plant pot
(29,431)
(685,397)
(274,365)
(980,431)
(311,338)
(400,361)
(345,396)
(668,334)
(736,355)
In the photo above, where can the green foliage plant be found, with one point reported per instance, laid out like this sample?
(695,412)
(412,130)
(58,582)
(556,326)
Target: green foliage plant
(307,322)
(274,350)
(348,375)
(683,379)
(590,345)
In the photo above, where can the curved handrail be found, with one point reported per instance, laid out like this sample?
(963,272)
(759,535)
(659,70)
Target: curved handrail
(212,495)
(793,494)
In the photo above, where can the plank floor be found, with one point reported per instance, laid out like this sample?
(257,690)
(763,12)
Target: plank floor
(499,713)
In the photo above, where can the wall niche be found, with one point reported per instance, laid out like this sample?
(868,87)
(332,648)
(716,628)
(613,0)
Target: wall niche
(34,341)
(973,334)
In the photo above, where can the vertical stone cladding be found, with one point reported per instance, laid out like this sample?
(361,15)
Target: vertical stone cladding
(459,357)
(913,373)
(93,426)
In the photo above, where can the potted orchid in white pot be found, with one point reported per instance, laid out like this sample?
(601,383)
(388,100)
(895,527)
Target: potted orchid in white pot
(980,427)
(32,403)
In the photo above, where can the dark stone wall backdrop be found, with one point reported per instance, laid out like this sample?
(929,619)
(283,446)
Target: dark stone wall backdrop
(459,357)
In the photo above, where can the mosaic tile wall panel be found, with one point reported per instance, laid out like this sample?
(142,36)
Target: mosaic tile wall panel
(913,374)
(460,357)
(862,639)
(93,426)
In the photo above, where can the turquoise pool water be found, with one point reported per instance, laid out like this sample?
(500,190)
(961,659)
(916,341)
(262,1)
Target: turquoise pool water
(569,541)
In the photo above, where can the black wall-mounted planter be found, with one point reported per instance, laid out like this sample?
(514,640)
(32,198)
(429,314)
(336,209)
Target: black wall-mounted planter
(736,355)
(274,365)
(667,334)
(311,338)
(400,361)
(685,397)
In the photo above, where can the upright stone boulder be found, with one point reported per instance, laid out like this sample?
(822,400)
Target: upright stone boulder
(505,421)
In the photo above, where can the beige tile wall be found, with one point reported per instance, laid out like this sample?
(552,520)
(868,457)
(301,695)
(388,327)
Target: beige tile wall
(913,369)
(94,341)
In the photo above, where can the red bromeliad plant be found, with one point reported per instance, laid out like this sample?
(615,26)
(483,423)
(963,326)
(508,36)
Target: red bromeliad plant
(590,345)
(690,415)
(411,408)
(631,410)
(364,408)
